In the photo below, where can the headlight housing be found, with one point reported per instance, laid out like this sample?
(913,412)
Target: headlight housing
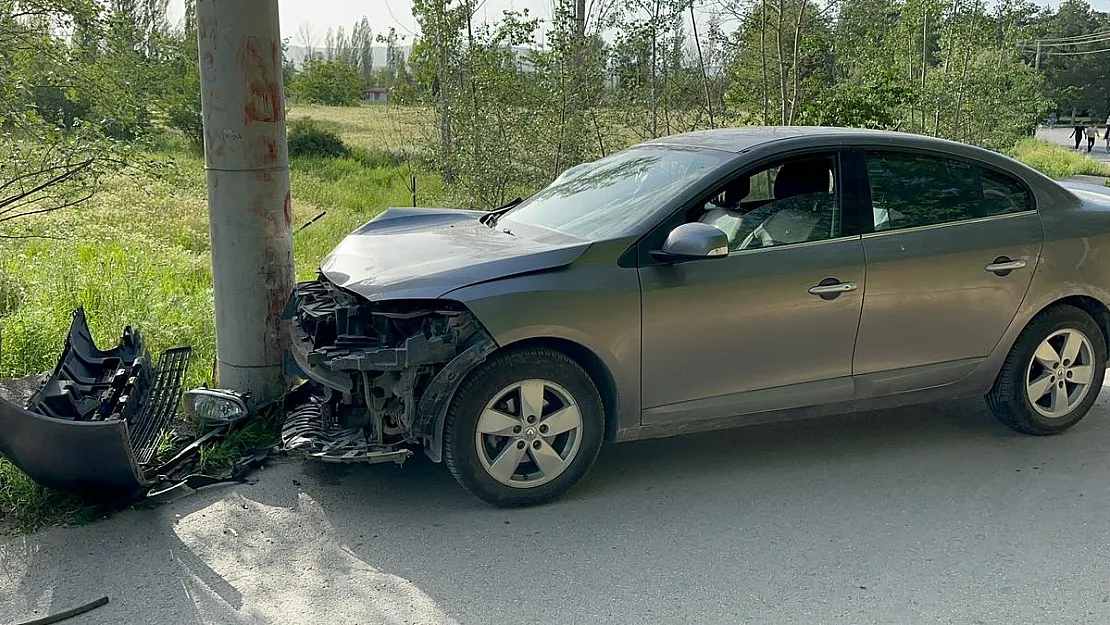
(214,407)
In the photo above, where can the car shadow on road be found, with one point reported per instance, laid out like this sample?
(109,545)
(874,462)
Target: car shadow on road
(671,462)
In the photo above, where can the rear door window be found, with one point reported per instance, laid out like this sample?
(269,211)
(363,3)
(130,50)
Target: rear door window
(909,190)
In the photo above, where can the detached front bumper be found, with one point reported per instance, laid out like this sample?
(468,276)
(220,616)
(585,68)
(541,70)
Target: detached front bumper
(95,423)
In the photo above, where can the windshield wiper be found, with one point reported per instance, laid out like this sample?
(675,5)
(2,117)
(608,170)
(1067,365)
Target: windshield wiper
(490,219)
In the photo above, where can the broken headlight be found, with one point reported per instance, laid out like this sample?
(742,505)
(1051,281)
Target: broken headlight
(212,407)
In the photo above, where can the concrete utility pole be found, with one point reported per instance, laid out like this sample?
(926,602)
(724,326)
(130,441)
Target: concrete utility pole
(245,153)
(1037,61)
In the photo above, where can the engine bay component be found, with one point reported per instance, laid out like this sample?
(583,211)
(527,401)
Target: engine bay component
(305,432)
(370,365)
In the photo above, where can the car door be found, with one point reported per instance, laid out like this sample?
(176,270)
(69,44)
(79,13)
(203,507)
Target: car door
(950,258)
(773,324)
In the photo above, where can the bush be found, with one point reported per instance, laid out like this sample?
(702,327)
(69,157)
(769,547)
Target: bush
(309,138)
(59,106)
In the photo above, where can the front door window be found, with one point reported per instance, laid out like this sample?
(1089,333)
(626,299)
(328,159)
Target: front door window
(787,202)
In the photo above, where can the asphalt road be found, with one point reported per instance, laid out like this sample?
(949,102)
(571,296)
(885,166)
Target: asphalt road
(925,515)
(1060,135)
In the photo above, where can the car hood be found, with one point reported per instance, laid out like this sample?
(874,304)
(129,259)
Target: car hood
(427,253)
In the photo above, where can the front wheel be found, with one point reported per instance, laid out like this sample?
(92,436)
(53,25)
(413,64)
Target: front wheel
(1053,374)
(523,428)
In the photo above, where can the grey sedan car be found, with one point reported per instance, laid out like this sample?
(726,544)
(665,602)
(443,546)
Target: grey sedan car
(702,281)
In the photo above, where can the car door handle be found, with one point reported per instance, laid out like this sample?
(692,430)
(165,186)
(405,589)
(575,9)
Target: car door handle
(1003,265)
(832,289)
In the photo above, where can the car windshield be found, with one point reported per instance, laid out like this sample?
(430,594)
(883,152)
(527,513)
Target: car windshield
(610,196)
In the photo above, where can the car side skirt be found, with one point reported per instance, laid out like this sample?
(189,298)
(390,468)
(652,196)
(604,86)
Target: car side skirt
(675,428)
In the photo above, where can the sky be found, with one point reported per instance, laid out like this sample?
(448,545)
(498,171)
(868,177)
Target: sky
(383,14)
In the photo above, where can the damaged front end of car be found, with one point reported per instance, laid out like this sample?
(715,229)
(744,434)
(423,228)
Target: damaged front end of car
(380,373)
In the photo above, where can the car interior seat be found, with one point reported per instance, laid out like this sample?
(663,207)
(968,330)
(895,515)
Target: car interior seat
(725,211)
(807,218)
(802,177)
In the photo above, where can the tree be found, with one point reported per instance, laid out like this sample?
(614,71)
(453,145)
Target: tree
(1077,76)
(179,96)
(332,82)
(48,162)
(783,55)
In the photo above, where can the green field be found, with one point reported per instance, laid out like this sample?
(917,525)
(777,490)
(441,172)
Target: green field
(376,127)
(138,254)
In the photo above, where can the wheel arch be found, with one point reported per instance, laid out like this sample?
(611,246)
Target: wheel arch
(1092,303)
(1093,307)
(583,356)
(594,366)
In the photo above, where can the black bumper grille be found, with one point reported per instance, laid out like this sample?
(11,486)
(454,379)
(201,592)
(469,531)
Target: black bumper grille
(161,403)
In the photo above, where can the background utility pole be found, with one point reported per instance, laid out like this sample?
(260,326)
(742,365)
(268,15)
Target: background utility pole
(1037,61)
(245,152)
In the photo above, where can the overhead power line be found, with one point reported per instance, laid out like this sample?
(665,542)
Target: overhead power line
(1048,50)
(1070,44)
(1046,53)
(1075,38)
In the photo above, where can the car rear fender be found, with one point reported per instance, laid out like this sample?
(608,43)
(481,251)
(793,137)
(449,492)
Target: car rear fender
(1068,273)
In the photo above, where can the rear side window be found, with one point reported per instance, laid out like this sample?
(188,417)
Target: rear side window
(910,190)
(1003,195)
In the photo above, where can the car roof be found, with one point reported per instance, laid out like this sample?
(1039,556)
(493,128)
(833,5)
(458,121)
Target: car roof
(745,138)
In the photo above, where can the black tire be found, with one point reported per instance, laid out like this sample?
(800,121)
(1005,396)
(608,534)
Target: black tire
(460,436)
(1008,399)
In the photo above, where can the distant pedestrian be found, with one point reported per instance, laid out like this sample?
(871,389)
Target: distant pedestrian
(1052,121)
(1092,135)
(1106,137)
(1077,133)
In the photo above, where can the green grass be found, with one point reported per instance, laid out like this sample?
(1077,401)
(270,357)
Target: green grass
(25,506)
(1056,161)
(375,128)
(138,254)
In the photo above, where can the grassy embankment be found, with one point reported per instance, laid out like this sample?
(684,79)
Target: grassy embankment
(1057,161)
(138,254)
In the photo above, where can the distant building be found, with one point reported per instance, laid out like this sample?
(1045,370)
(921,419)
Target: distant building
(377,94)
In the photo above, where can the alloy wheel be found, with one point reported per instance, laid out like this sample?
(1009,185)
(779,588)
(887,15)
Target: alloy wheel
(529,433)
(1060,373)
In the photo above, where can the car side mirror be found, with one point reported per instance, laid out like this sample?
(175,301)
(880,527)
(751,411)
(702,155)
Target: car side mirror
(693,241)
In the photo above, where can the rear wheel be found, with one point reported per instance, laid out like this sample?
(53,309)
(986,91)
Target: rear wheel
(1053,374)
(524,428)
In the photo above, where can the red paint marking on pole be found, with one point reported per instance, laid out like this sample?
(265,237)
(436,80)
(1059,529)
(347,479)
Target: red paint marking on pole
(275,54)
(264,103)
(263,152)
(288,207)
